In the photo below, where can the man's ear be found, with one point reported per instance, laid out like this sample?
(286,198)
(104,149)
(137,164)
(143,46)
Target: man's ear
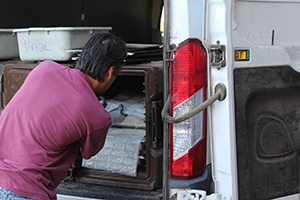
(110,72)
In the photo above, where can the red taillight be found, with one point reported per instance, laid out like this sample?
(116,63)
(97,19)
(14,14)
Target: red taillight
(188,80)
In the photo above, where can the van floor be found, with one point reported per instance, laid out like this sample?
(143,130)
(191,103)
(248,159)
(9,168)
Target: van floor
(105,192)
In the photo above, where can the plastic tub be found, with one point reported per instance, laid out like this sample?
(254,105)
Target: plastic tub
(53,43)
(8,44)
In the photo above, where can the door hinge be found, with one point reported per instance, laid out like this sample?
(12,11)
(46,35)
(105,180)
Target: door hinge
(190,194)
(217,55)
(171,51)
(157,125)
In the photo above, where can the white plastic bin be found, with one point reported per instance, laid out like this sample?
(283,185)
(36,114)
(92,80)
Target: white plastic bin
(53,43)
(8,44)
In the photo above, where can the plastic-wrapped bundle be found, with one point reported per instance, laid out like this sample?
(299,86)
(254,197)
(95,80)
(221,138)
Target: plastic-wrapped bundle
(120,153)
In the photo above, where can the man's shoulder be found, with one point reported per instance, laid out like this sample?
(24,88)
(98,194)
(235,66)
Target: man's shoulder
(49,63)
(48,67)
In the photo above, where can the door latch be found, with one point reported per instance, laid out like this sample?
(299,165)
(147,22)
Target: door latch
(200,195)
(217,55)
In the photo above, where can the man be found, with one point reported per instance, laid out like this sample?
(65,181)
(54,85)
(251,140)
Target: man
(54,115)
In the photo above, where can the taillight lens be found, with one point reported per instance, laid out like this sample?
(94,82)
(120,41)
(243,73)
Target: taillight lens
(188,78)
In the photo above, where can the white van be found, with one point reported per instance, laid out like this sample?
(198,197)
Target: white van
(247,52)
(222,101)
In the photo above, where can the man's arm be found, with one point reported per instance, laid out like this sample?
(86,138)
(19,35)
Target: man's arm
(102,142)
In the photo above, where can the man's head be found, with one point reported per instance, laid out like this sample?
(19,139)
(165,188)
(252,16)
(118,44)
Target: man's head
(103,55)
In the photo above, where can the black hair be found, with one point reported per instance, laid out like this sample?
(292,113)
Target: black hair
(102,51)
